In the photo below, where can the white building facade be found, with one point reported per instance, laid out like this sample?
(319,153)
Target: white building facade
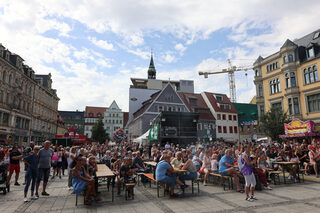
(113,118)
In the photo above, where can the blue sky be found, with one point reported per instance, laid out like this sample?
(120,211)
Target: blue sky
(92,48)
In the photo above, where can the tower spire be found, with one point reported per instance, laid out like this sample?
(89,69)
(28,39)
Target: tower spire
(152,70)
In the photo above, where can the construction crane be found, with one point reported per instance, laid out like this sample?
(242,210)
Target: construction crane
(230,71)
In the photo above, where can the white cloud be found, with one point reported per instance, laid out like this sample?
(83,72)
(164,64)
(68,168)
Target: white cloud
(179,47)
(101,43)
(140,53)
(168,57)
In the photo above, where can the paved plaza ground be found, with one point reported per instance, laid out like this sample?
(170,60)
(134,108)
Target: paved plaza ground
(303,197)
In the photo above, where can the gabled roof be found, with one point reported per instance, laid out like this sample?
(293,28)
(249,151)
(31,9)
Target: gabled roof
(214,102)
(200,106)
(114,105)
(288,43)
(95,111)
(145,105)
(307,39)
(259,59)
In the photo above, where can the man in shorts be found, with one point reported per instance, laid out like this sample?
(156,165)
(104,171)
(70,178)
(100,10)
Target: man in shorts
(14,166)
(45,154)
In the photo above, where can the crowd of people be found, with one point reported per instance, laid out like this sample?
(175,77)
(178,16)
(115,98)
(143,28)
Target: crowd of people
(246,161)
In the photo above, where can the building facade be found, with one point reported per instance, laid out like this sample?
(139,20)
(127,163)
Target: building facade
(92,116)
(20,90)
(166,99)
(74,118)
(225,114)
(289,79)
(141,88)
(206,123)
(113,118)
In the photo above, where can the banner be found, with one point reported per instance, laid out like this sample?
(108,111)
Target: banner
(298,127)
(154,133)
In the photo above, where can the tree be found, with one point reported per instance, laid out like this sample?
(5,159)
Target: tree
(272,122)
(99,133)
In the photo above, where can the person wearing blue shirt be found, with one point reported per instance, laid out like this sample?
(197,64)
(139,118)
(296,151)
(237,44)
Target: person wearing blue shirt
(162,170)
(226,168)
(31,161)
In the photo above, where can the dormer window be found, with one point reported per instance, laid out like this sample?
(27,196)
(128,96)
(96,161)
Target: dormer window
(310,52)
(99,115)
(316,35)
(219,98)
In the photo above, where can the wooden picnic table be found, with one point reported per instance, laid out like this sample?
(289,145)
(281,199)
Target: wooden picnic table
(151,163)
(105,172)
(285,163)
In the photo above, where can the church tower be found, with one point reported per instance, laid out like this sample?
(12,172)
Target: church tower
(152,70)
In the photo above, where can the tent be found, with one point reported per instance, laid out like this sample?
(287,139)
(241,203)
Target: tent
(142,140)
(263,139)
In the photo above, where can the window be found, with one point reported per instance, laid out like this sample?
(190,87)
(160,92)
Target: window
(261,110)
(290,58)
(284,59)
(296,106)
(234,117)
(260,90)
(219,98)
(224,106)
(314,103)
(4,76)
(90,114)
(290,79)
(18,122)
(1,96)
(230,129)
(257,73)
(199,126)
(290,106)
(310,52)
(230,117)
(316,35)
(223,117)
(219,129)
(276,105)
(10,79)
(193,101)
(160,108)
(169,109)
(224,129)
(274,86)
(235,129)
(310,74)
(5,119)
(218,116)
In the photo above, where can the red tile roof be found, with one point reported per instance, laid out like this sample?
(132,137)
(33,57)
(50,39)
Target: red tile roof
(225,100)
(95,111)
(200,106)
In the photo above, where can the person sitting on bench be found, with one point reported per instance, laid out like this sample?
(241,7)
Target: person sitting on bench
(126,173)
(165,173)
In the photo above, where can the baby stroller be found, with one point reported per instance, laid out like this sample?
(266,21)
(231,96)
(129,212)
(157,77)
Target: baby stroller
(3,179)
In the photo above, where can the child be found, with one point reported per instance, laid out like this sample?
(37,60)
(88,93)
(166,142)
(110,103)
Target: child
(32,172)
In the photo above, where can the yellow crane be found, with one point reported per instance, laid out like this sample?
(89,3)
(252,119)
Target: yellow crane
(230,71)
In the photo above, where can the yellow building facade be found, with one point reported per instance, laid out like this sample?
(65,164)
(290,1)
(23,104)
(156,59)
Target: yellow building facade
(289,79)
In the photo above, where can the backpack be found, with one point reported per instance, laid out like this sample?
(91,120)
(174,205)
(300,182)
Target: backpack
(240,163)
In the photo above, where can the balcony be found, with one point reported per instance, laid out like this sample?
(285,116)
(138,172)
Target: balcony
(292,91)
(288,65)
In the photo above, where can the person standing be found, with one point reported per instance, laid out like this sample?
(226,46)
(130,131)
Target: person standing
(32,172)
(44,155)
(14,166)
(248,174)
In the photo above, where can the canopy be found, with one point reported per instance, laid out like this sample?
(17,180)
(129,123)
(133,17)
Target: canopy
(142,140)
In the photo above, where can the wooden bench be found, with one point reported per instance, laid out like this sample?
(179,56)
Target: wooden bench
(275,175)
(224,179)
(159,184)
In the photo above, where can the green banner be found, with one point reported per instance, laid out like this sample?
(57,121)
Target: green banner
(154,133)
